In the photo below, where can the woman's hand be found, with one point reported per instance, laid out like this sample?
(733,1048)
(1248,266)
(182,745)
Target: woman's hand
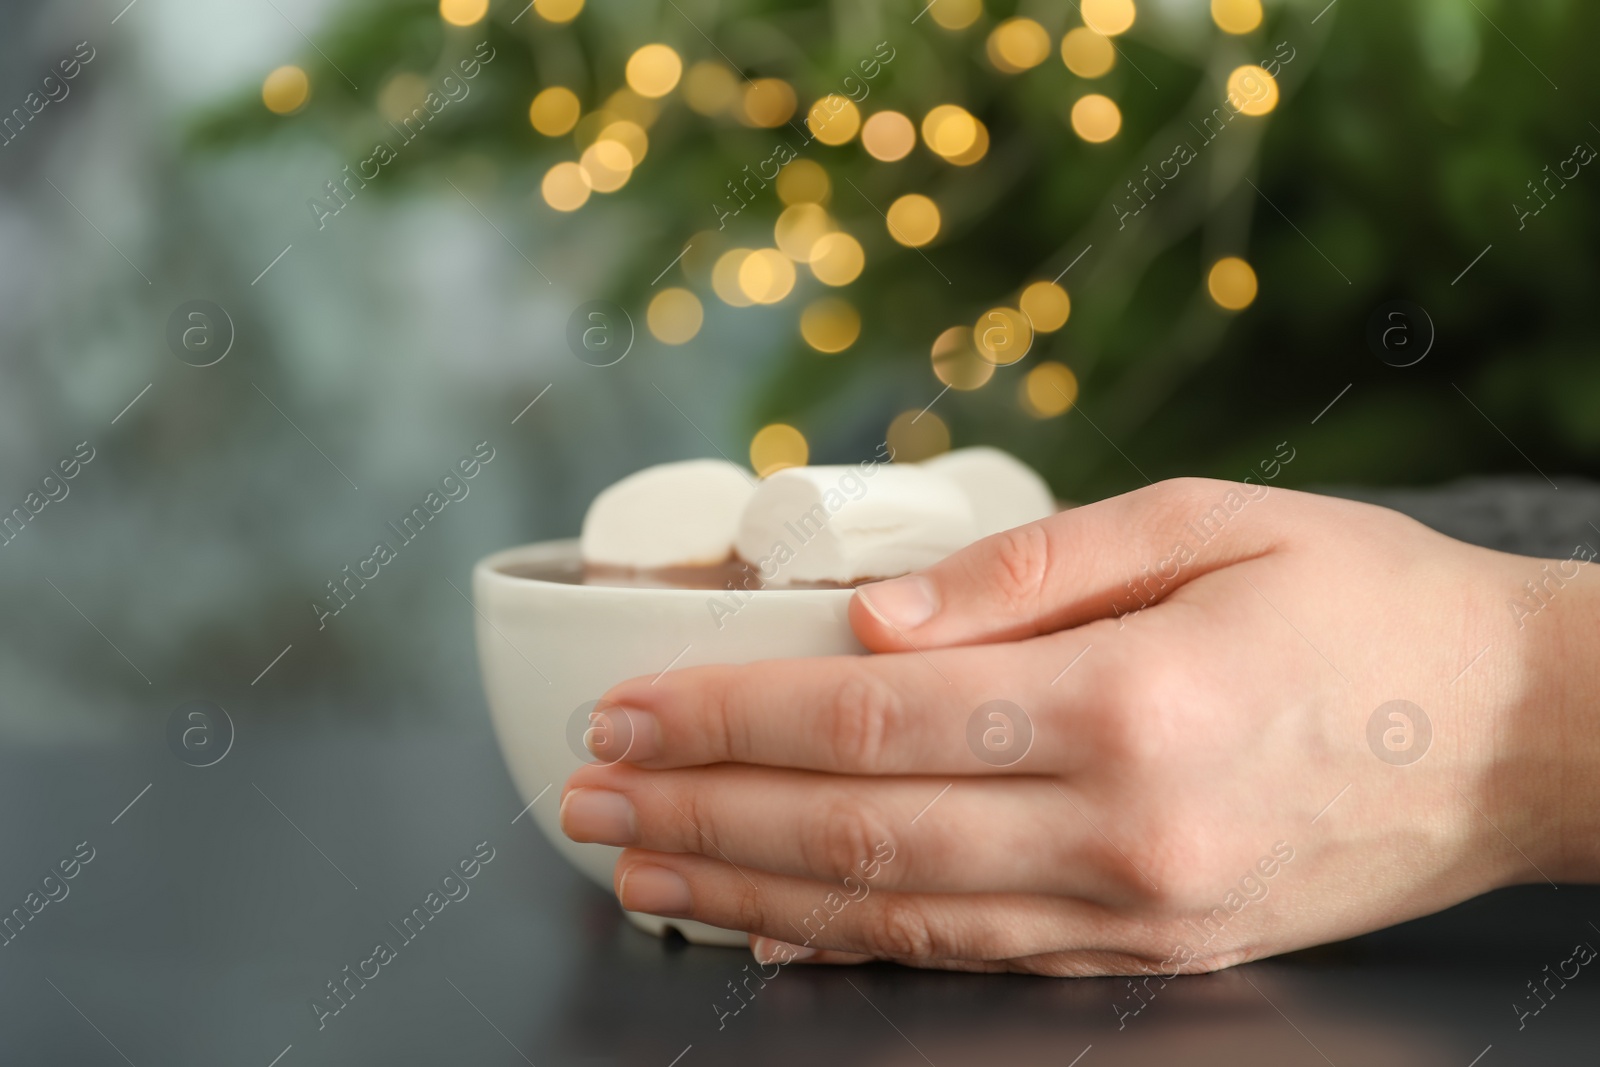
(1197,761)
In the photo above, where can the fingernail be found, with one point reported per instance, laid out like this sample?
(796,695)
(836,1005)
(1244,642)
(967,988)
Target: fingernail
(616,733)
(655,890)
(768,950)
(903,603)
(599,815)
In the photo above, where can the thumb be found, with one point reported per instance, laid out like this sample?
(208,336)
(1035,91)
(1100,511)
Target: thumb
(1093,562)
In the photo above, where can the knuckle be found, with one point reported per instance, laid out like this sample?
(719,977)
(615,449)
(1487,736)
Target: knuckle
(1171,871)
(1140,712)
(690,824)
(728,736)
(841,839)
(1022,566)
(867,713)
(898,929)
(748,910)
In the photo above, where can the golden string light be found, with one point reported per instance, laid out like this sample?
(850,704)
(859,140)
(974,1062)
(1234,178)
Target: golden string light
(768,102)
(554,111)
(1050,389)
(888,136)
(799,228)
(917,435)
(830,325)
(1003,335)
(1236,16)
(463,12)
(1047,306)
(834,119)
(837,259)
(710,87)
(956,362)
(1087,54)
(557,11)
(777,446)
(913,220)
(1109,17)
(654,70)
(1232,283)
(804,181)
(1096,118)
(1017,45)
(766,276)
(1252,91)
(674,316)
(285,90)
(565,187)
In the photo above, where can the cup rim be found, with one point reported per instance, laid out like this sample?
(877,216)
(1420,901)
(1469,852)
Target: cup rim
(488,570)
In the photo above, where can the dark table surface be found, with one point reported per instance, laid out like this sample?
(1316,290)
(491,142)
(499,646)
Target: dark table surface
(219,905)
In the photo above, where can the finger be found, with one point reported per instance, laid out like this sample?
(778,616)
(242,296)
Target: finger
(976,835)
(1092,562)
(859,715)
(769,950)
(909,927)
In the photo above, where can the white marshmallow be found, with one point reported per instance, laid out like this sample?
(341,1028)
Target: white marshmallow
(670,515)
(1003,491)
(841,524)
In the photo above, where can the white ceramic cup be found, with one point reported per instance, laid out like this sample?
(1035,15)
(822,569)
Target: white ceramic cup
(549,649)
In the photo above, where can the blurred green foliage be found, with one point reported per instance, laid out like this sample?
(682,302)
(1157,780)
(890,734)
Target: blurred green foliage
(1404,135)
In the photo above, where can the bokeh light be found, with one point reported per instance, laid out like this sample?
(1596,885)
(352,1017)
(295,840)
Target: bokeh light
(627,104)
(798,230)
(830,325)
(917,435)
(777,446)
(834,119)
(888,136)
(401,95)
(565,187)
(558,11)
(1050,389)
(837,259)
(1087,54)
(710,87)
(1002,336)
(725,277)
(980,145)
(1108,17)
(766,276)
(1096,118)
(554,111)
(1017,45)
(913,220)
(1047,306)
(1236,16)
(956,362)
(949,130)
(1252,91)
(1232,283)
(629,136)
(463,12)
(285,89)
(674,316)
(654,70)
(606,165)
(803,181)
(956,14)
(768,102)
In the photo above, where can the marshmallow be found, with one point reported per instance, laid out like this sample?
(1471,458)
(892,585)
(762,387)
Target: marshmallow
(1004,491)
(843,524)
(670,515)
